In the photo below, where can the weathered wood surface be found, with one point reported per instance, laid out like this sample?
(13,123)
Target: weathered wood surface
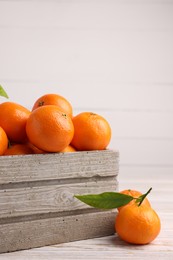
(37,198)
(43,167)
(52,230)
(46,199)
(111,247)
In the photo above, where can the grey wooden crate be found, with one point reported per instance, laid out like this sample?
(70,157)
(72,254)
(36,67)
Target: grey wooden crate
(37,204)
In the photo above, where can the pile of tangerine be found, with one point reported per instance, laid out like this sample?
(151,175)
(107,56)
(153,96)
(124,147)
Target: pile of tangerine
(50,127)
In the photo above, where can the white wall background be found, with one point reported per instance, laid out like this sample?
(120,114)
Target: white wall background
(114,57)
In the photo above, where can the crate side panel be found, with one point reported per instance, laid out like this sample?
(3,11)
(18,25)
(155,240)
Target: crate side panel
(25,235)
(17,169)
(53,198)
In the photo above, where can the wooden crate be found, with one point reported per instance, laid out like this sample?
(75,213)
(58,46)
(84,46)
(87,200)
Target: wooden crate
(37,204)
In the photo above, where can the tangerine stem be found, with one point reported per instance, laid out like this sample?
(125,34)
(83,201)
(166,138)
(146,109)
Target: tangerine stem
(142,197)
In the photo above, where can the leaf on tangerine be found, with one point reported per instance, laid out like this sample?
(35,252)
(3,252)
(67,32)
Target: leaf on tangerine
(3,92)
(106,200)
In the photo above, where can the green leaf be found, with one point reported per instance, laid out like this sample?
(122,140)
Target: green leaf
(106,200)
(3,93)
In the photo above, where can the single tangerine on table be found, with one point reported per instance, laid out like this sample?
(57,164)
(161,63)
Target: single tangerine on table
(18,149)
(135,194)
(13,119)
(49,128)
(3,141)
(137,224)
(54,99)
(92,132)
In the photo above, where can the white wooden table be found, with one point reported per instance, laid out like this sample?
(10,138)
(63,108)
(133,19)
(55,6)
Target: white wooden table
(161,198)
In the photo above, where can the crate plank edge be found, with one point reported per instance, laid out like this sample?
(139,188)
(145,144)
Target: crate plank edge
(37,201)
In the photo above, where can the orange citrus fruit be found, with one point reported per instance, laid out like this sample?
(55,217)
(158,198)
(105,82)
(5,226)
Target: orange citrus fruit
(18,149)
(3,141)
(137,224)
(49,129)
(135,194)
(54,99)
(35,149)
(69,148)
(92,132)
(13,119)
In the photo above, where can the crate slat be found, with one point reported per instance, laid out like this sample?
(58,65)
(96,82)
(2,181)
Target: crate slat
(29,234)
(58,166)
(37,201)
(54,198)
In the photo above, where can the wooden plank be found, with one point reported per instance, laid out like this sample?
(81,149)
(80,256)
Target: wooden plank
(37,197)
(24,235)
(54,198)
(16,169)
(112,247)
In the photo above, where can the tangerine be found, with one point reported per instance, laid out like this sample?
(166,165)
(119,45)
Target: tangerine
(54,99)
(3,141)
(135,194)
(92,132)
(13,119)
(49,129)
(18,149)
(137,224)
(35,149)
(69,148)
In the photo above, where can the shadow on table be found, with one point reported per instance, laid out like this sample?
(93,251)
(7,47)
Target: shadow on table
(116,241)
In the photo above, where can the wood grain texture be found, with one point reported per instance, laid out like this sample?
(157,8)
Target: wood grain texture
(15,169)
(37,197)
(112,247)
(35,233)
(54,198)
